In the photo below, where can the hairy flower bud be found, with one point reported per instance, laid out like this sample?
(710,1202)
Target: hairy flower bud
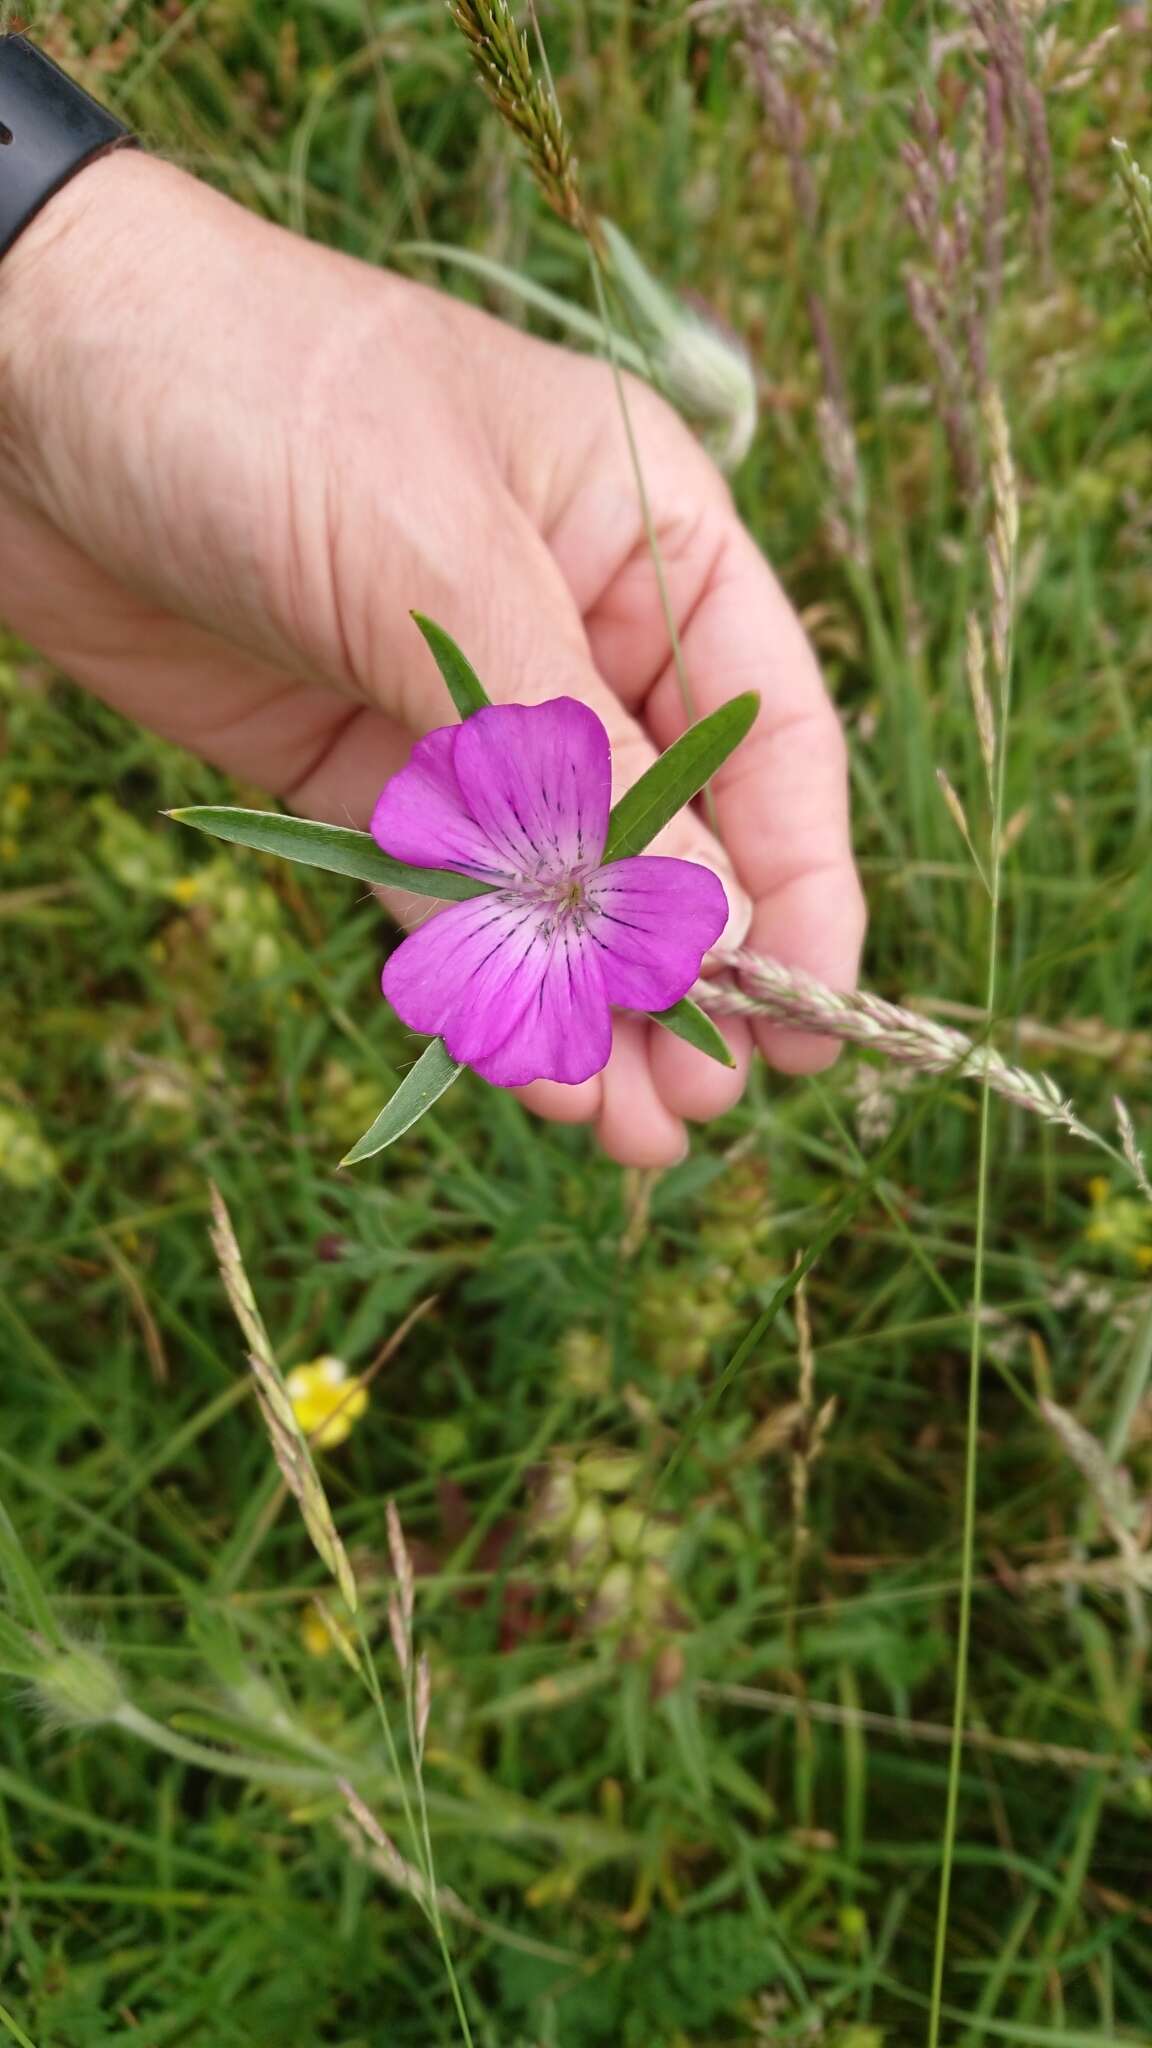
(701,368)
(78,1687)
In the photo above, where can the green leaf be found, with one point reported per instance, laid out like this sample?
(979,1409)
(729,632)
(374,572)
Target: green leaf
(675,778)
(688,1021)
(464,686)
(19,1657)
(434,1071)
(18,1573)
(325,846)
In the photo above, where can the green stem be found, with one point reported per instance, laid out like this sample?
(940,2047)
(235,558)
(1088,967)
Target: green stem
(589,238)
(259,1770)
(416,1823)
(17,2032)
(687,697)
(975,1360)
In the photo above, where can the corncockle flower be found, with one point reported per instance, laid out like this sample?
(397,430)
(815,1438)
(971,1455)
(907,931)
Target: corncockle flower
(520,982)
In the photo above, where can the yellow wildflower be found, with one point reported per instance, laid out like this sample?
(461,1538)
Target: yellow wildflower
(1120,1224)
(320,1633)
(327,1404)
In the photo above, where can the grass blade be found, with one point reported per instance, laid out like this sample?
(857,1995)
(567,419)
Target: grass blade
(689,1022)
(678,775)
(434,1072)
(325,846)
(464,686)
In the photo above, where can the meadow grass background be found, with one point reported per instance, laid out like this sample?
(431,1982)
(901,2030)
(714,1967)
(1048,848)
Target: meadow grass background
(695,1797)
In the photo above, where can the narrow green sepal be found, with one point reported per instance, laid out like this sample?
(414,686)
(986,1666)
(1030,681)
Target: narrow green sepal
(434,1072)
(689,1022)
(464,686)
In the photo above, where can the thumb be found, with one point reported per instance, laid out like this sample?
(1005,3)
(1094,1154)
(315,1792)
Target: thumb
(522,632)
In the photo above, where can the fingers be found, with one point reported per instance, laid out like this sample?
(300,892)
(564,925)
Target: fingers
(559,1104)
(782,798)
(691,1085)
(781,801)
(635,1125)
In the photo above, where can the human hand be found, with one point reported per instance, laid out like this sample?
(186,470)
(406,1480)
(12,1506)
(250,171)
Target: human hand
(233,462)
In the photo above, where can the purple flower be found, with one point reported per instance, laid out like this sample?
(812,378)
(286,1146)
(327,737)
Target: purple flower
(519,983)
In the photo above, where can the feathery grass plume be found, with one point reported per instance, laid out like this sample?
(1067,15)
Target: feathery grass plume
(763,988)
(847,523)
(959,817)
(289,1443)
(976,665)
(1001,27)
(949,286)
(1003,531)
(527,104)
(368,1843)
(366,1838)
(1123,1516)
(1137,189)
(1128,1145)
(770,38)
(1109,1483)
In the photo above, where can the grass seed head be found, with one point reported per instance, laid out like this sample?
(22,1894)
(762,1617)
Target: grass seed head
(289,1443)
(527,104)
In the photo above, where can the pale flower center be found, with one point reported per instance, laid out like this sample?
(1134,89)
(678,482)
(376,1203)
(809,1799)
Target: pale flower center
(564,895)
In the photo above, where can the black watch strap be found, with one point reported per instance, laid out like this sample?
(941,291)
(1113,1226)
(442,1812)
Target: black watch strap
(49,129)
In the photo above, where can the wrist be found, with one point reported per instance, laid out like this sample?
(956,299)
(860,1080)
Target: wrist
(61,286)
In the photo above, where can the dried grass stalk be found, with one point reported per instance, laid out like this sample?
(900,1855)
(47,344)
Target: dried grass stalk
(761,987)
(1137,189)
(289,1444)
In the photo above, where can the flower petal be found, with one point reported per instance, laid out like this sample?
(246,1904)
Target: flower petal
(511,991)
(422,817)
(537,778)
(458,976)
(565,1032)
(653,920)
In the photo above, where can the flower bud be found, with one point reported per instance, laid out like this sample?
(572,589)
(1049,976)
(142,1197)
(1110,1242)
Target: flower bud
(609,1471)
(612,1600)
(556,1502)
(702,369)
(627,1528)
(79,1688)
(589,1533)
(585,1362)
